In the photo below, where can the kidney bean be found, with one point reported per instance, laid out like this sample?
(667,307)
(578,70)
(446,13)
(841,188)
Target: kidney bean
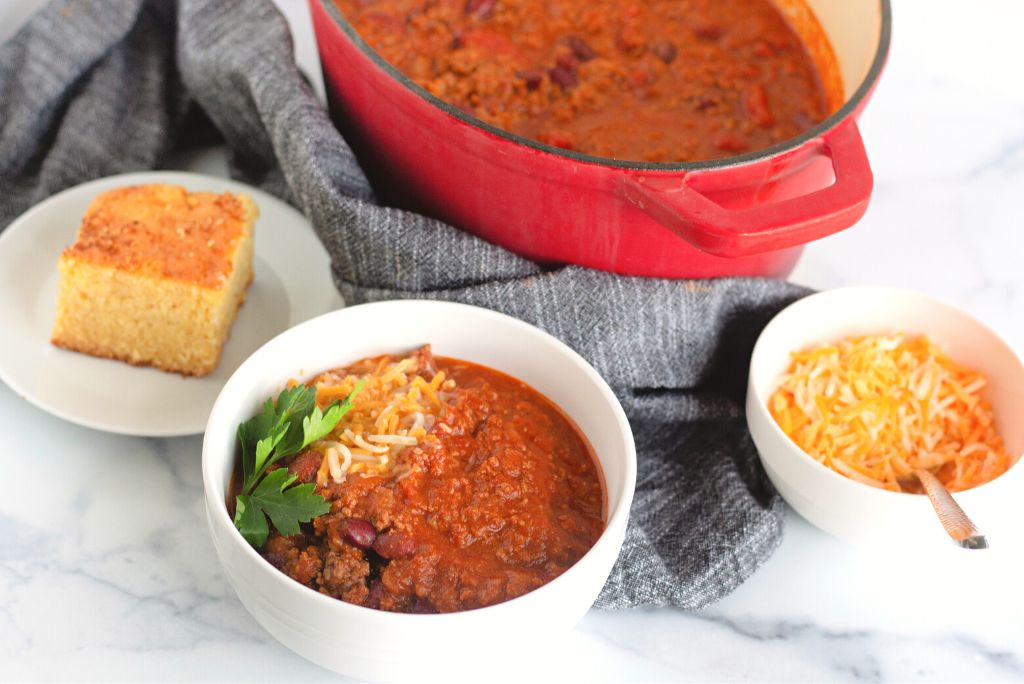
(532,79)
(665,50)
(481,9)
(392,545)
(358,532)
(580,48)
(706,103)
(567,60)
(706,31)
(563,76)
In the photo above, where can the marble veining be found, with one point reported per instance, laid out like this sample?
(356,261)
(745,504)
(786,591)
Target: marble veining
(107,572)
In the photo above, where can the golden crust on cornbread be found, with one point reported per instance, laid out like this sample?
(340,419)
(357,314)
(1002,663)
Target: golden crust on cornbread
(156,277)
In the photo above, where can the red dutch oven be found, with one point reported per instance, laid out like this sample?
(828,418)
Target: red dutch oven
(743,215)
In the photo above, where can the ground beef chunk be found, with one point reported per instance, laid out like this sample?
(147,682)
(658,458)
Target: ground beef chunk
(344,571)
(305,566)
(279,550)
(305,465)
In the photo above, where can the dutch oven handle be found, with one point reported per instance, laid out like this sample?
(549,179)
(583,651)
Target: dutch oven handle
(768,227)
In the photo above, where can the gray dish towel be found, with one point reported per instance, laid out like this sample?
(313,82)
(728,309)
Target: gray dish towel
(91,88)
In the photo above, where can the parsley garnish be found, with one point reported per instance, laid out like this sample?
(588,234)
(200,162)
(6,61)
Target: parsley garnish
(282,428)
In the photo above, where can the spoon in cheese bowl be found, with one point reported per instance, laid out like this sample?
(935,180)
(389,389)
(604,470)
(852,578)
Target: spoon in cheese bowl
(958,526)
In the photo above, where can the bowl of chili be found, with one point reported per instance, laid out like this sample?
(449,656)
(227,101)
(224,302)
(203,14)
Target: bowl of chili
(570,134)
(489,358)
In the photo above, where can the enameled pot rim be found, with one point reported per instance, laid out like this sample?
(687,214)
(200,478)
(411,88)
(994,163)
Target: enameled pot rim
(840,115)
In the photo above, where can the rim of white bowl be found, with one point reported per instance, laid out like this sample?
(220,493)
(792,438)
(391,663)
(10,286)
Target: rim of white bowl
(866,290)
(616,518)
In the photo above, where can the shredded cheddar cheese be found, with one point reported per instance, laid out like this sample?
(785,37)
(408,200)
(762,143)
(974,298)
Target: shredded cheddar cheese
(875,408)
(396,409)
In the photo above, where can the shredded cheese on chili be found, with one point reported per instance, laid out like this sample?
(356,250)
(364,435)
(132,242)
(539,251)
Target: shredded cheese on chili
(875,408)
(395,409)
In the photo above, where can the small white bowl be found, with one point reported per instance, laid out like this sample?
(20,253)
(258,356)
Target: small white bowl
(371,644)
(856,512)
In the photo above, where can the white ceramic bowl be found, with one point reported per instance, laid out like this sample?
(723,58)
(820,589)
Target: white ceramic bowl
(857,512)
(371,644)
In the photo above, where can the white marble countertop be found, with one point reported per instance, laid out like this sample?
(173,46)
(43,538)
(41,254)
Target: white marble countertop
(107,572)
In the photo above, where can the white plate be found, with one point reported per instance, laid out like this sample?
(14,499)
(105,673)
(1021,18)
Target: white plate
(291,283)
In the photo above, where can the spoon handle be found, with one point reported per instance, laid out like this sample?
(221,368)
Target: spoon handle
(953,519)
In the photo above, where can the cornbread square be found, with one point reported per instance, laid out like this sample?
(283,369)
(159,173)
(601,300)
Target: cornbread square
(156,277)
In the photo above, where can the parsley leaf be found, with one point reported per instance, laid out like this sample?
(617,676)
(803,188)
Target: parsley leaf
(249,435)
(293,405)
(281,429)
(250,521)
(316,425)
(286,505)
(265,447)
(275,433)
